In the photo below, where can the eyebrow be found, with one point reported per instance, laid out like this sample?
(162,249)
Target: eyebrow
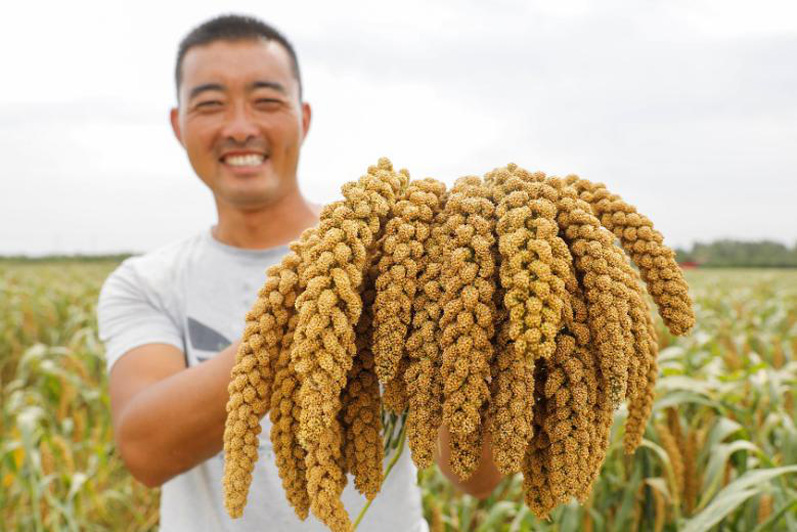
(199,89)
(279,87)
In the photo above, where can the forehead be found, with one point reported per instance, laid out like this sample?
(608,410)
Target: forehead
(235,64)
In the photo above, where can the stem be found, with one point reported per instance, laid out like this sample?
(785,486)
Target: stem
(396,455)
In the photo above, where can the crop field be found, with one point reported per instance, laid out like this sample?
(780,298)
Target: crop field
(720,451)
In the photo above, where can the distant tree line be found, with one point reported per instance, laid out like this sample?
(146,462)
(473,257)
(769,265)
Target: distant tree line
(737,253)
(116,257)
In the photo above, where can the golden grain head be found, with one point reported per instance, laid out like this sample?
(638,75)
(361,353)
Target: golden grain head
(502,309)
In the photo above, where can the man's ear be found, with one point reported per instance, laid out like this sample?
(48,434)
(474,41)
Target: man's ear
(174,116)
(306,115)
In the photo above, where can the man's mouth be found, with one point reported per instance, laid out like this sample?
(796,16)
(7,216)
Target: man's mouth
(242,161)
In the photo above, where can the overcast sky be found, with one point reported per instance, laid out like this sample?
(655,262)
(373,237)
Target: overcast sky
(687,108)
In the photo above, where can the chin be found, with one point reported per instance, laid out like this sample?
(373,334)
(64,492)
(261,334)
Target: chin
(255,195)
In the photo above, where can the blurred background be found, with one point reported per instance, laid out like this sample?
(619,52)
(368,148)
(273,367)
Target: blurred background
(685,108)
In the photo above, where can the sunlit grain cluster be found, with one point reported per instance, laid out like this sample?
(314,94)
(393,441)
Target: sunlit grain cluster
(503,307)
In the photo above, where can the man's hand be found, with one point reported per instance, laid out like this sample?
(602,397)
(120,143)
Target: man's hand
(486,477)
(168,418)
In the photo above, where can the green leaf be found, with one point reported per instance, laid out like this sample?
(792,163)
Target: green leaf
(724,428)
(75,483)
(497,514)
(680,397)
(733,496)
(667,465)
(682,382)
(715,471)
(774,518)
(659,484)
(524,511)
(622,520)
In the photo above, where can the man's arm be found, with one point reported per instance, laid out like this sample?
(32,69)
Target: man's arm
(486,477)
(166,418)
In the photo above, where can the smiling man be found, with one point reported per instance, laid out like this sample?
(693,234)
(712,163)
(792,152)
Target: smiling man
(242,121)
(170,318)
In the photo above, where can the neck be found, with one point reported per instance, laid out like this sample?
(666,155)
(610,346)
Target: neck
(267,226)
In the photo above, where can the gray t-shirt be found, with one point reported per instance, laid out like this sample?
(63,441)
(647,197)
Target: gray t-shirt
(194,294)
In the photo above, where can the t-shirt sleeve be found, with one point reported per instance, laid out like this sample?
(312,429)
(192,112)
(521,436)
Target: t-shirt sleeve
(129,315)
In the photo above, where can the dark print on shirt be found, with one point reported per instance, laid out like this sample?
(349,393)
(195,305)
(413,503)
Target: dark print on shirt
(203,338)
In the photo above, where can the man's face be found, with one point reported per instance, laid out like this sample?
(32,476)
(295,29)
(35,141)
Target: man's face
(241,121)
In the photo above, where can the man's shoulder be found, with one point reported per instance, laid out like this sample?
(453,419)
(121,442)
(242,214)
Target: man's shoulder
(169,253)
(161,265)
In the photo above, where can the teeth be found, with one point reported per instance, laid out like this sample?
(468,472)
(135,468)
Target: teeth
(244,160)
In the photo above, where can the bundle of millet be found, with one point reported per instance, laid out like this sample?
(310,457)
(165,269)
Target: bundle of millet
(557,456)
(289,455)
(565,388)
(394,396)
(641,387)
(331,304)
(256,362)
(645,246)
(402,250)
(533,295)
(329,310)
(597,264)
(572,424)
(468,316)
(285,413)
(361,414)
(501,307)
(422,378)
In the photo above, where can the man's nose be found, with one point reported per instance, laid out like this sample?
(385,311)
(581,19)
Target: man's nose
(240,126)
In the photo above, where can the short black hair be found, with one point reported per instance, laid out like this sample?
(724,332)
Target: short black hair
(232,28)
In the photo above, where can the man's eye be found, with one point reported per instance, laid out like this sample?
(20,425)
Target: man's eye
(209,103)
(268,102)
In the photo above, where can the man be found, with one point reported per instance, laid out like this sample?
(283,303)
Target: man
(168,318)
